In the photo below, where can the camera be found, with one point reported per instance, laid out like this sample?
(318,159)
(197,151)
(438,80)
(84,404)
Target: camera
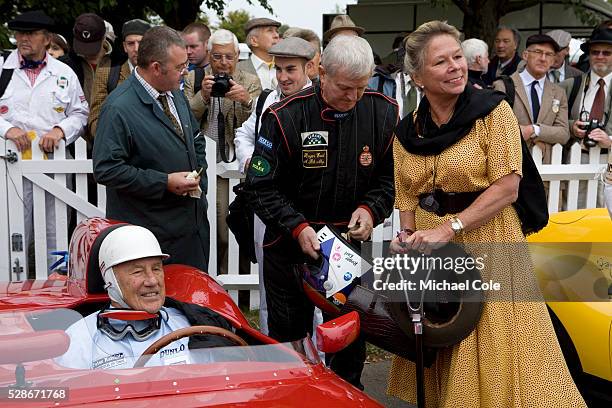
(591,124)
(221,85)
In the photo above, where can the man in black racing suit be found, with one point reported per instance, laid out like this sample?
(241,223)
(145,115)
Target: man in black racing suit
(323,156)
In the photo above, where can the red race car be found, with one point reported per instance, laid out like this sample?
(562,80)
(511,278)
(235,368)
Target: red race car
(258,371)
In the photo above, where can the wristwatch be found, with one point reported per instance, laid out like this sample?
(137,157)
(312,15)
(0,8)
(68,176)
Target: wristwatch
(456,225)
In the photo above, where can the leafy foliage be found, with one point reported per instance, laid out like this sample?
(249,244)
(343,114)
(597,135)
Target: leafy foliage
(481,17)
(235,21)
(176,14)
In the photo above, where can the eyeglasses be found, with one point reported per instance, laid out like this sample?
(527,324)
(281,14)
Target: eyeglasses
(219,57)
(605,53)
(541,53)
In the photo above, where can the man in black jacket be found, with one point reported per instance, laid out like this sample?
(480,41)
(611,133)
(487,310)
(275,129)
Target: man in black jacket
(507,58)
(324,156)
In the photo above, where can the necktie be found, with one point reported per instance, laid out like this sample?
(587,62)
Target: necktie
(556,76)
(163,99)
(535,102)
(409,98)
(597,110)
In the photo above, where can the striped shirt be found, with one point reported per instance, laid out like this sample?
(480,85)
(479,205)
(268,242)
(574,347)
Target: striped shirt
(33,73)
(155,94)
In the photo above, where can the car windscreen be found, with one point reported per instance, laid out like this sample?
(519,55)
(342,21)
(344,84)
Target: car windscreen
(60,348)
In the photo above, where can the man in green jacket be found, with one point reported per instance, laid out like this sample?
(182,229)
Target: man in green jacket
(146,145)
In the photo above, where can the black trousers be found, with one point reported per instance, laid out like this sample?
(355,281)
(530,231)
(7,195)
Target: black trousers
(290,312)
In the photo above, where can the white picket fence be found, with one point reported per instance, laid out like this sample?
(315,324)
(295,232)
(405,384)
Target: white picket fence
(14,170)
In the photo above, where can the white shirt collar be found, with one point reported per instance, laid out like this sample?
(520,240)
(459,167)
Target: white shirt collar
(528,79)
(595,78)
(258,62)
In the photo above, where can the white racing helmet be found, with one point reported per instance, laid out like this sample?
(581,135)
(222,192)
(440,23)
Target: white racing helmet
(124,244)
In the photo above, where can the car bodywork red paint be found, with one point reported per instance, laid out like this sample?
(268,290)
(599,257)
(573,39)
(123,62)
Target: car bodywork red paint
(216,384)
(337,334)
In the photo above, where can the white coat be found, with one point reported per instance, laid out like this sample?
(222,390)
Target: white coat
(55,100)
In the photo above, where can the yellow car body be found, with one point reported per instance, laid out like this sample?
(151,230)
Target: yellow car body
(572,258)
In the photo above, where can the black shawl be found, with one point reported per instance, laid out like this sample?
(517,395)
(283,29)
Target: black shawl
(425,138)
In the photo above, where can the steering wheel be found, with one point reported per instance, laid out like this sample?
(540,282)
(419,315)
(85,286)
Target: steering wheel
(186,332)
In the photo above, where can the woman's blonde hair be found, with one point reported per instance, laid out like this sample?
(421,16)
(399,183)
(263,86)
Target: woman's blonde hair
(416,43)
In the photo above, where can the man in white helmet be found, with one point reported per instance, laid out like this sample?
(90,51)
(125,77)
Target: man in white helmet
(130,261)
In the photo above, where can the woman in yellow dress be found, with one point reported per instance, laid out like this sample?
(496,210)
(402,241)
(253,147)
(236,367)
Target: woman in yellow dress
(467,141)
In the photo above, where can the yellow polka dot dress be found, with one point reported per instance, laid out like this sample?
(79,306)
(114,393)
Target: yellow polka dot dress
(512,359)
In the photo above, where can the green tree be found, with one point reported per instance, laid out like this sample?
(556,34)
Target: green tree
(203,18)
(481,17)
(234,22)
(176,14)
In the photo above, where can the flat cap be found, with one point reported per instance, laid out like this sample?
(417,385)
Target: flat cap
(562,37)
(339,23)
(260,22)
(293,47)
(542,39)
(136,26)
(31,21)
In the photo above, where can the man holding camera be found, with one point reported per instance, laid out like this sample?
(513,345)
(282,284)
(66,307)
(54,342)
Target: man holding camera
(589,103)
(223,103)
(234,92)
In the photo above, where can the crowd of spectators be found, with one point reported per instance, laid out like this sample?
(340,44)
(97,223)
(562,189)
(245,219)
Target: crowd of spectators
(312,130)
